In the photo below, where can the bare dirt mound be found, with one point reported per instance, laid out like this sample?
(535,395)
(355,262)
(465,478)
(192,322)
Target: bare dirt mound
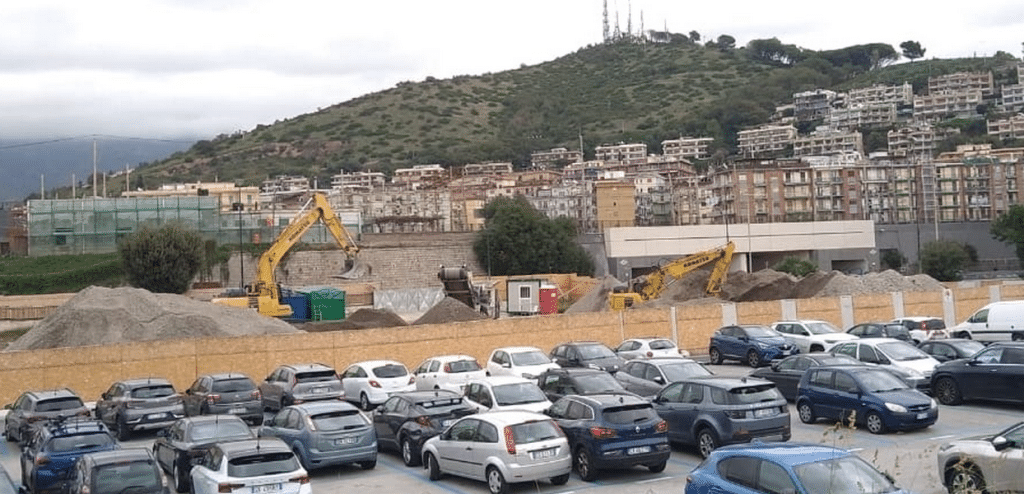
(884,282)
(449,310)
(101,316)
(365,318)
(596,300)
(763,285)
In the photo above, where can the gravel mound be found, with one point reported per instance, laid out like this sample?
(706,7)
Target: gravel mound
(884,282)
(101,316)
(365,318)
(449,310)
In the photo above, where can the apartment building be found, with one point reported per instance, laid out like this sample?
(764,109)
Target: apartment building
(959,82)
(1007,128)
(359,180)
(936,106)
(1011,98)
(616,205)
(825,141)
(476,169)
(418,176)
(766,140)
(554,158)
(666,166)
(916,139)
(229,196)
(697,148)
(285,183)
(395,209)
(881,95)
(574,200)
(815,104)
(622,153)
(861,115)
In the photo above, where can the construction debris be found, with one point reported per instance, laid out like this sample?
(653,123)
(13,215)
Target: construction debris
(449,310)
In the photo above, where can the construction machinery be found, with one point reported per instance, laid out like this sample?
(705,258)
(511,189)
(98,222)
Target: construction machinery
(264,294)
(458,284)
(653,284)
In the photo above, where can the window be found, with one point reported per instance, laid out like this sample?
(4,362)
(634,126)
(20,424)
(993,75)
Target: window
(822,378)
(740,470)
(773,479)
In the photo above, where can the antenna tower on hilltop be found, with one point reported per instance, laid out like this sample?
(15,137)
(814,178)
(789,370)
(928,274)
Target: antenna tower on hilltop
(606,31)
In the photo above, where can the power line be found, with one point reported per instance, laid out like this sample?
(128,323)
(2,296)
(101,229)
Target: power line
(91,136)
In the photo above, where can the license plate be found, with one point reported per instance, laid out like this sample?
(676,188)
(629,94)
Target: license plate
(319,391)
(346,440)
(922,416)
(156,416)
(237,411)
(260,489)
(638,450)
(446,423)
(544,453)
(765,412)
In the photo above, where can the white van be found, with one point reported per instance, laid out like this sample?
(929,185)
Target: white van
(998,321)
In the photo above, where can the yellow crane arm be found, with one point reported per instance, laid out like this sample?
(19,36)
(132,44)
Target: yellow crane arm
(655,282)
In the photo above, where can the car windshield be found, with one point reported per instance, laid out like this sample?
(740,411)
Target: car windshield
(900,351)
(897,331)
(533,357)
(390,370)
(62,444)
(846,475)
(821,328)
(57,404)
(593,352)
(259,464)
(155,391)
(876,381)
(629,414)
(760,331)
(661,345)
(441,406)
(536,431)
(315,376)
(457,366)
(753,394)
(682,370)
(208,431)
(518,393)
(238,385)
(598,382)
(969,347)
(837,360)
(338,420)
(121,477)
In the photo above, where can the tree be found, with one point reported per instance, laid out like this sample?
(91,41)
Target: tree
(695,37)
(943,260)
(726,42)
(912,49)
(163,260)
(518,239)
(796,266)
(893,259)
(1009,229)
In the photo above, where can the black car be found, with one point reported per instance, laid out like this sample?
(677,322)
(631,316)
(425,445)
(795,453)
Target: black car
(646,377)
(587,354)
(39,406)
(556,383)
(52,448)
(786,373)
(177,447)
(881,330)
(994,373)
(120,471)
(407,420)
(139,404)
(227,393)
(951,349)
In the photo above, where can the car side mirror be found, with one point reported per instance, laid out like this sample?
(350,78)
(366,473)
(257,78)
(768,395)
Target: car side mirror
(659,380)
(744,338)
(775,366)
(161,433)
(269,422)
(1000,443)
(507,365)
(884,361)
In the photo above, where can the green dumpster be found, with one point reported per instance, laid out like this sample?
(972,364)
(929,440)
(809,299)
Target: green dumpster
(325,303)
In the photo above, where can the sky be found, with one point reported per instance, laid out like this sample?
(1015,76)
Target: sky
(169,69)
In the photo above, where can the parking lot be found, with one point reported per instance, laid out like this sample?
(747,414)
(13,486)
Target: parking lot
(909,457)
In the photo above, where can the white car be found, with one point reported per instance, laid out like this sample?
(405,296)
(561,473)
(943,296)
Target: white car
(250,466)
(649,348)
(521,361)
(372,382)
(810,335)
(447,372)
(505,393)
(924,328)
(500,448)
(904,359)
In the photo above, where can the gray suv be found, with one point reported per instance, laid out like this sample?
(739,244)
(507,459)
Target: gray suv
(325,434)
(298,383)
(34,407)
(229,393)
(139,404)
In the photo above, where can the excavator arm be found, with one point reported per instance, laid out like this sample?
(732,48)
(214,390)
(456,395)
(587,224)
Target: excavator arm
(651,286)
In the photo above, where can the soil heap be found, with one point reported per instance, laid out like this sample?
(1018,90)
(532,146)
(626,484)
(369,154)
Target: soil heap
(596,300)
(449,310)
(102,316)
(364,318)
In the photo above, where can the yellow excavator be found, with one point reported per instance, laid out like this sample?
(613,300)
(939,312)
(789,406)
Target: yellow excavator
(653,284)
(264,294)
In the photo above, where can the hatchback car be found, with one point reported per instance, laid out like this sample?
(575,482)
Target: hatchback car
(866,396)
(505,393)
(924,328)
(407,420)
(299,383)
(988,463)
(708,412)
(264,465)
(51,449)
(325,433)
(646,377)
(132,470)
(560,382)
(228,393)
(787,468)
(899,357)
(39,406)
(787,372)
(447,372)
(500,448)
(139,404)
(370,383)
(951,349)
(649,347)
(811,335)
(521,361)
(994,373)
(896,331)
(612,431)
(589,354)
(177,447)
(751,343)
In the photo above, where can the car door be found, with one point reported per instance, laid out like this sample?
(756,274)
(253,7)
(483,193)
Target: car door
(818,391)
(786,375)
(1009,374)
(978,379)
(793,334)
(628,349)
(632,377)
(560,355)
(731,344)
(286,425)
(15,418)
(499,364)
(388,419)
(352,381)
(1007,465)
(165,454)
(425,378)
(271,389)
(195,395)
(455,448)
(567,412)
(678,404)
(106,406)
(845,397)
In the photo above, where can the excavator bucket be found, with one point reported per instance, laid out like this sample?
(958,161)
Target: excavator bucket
(356,269)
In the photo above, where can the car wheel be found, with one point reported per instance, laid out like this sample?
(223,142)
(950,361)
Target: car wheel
(658,467)
(433,469)
(560,480)
(368,465)
(409,457)
(947,391)
(496,481)
(1017,337)
(806,413)
(583,466)
(964,335)
(964,479)
(301,457)
(124,432)
(715,356)
(753,359)
(706,442)
(874,423)
(817,348)
(364,401)
(181,483)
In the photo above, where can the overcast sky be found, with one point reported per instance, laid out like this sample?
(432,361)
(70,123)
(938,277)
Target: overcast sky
(198,68)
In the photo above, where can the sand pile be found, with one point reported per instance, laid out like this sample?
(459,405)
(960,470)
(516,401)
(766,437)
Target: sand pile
(101,316)
(364,318)
(449,310)
(884,282)
(596,300)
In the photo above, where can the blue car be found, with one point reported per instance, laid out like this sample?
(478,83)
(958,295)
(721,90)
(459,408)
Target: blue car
(754,344)
(325,433)
(49,455)
(786,467)
(866,396)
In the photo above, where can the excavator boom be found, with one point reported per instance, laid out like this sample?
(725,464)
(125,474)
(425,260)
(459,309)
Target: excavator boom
(652,285)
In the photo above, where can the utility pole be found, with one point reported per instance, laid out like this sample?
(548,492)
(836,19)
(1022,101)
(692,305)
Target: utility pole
(95,185)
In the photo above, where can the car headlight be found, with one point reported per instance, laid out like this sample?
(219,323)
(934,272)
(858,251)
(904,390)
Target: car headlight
(896,408)
(933,405)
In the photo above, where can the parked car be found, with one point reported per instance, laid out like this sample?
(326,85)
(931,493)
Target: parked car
(177,447)
(227,393)
(560,382)
(951,349)
(649,347)
(447,372)
(994,373)
(892,330)
(370,383)
(325,433)
(869,396)
(299,383)
(786,373)
(119,471)
(998,321)
(146,403)
(263,465)
(646,377)
(989,463)
(500,447)
(708,412)
(899,357)
(587,354)
(787,468)
(924,328)
(407,420)
(51,449)
(751,343)
(811,335)
(612,431)
(522,361)
(505,393)
(33,407)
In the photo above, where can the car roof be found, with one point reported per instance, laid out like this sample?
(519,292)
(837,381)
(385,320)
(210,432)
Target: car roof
(874,342)
(648,338)
(377,363)
(574,371)
(1008,344)
(801,321)
(247,446)
(788,453)
(510,417)
(315,407)
(202,419)
(118,456)
(499,380)
(451,358)
(727,382)
(227,375)
(665,360)
(916,318)
(70,427)
(605,400)
(145,381)
(517,349)
(47,394)
(818,357)
(427,395)
(307,367)
(580,343)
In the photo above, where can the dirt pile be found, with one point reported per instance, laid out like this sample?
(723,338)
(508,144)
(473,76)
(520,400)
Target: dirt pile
(884,282)
(101,316)
(596,300)
(449,310)
(365,318)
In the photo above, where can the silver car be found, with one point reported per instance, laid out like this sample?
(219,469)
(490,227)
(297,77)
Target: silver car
(991,463)
(325,433)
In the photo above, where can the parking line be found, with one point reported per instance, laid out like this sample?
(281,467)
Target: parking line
(947,436)
(659,479)
(404,470)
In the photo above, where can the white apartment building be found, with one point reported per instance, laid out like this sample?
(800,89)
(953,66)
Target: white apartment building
(825,142)
(960,82)
(861,115)
(630,154)
(474,169)
(362,180)
(1007,128)
(1011,98)
(688,147)
(881,94)
(285,183)
(814,105)
(917,139)
(765,140)
(417,176)
(936,106)
(574,200)
(553,157)
(584,170)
